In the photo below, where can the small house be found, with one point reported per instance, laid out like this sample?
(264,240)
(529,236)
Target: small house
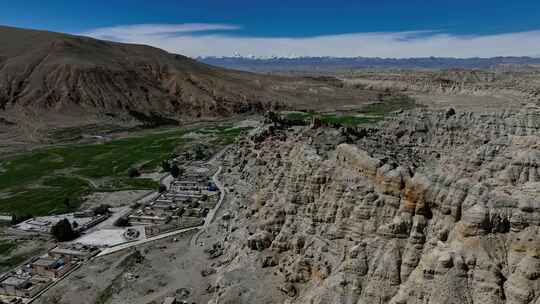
(14,286)
(50,267)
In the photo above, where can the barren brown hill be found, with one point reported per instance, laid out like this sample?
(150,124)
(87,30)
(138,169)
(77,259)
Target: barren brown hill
(51,80)
(62,73)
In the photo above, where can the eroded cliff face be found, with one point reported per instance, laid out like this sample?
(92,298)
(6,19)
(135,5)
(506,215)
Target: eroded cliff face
(429,207)
(518,82)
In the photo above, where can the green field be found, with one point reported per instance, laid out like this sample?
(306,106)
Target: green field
(54,180)
(368,114)
(6,247)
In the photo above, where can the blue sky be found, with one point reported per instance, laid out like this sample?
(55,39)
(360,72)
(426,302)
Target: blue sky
(301,28)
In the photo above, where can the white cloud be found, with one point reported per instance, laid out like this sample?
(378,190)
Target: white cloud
(202,40)
(137,31)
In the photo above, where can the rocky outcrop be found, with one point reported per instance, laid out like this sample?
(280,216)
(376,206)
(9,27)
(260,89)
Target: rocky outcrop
(260,241)
(517,83)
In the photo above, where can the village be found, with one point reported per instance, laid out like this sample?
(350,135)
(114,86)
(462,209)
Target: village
(183,203)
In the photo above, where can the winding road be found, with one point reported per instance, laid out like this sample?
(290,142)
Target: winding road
(212,214)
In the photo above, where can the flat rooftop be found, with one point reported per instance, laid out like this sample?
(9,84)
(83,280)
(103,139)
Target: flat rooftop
(14,281)
(47,262)
(44,223)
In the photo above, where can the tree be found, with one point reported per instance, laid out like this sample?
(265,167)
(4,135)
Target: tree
(133,172)
(176,171)
(16,219)
(122,222)
(200,153)
(102,209)
(62,231)
(166,165)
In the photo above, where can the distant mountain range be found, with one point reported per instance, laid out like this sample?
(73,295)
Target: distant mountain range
(311,64)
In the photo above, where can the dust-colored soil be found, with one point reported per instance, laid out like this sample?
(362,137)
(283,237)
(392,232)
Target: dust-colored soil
(169,267)
(114,199)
